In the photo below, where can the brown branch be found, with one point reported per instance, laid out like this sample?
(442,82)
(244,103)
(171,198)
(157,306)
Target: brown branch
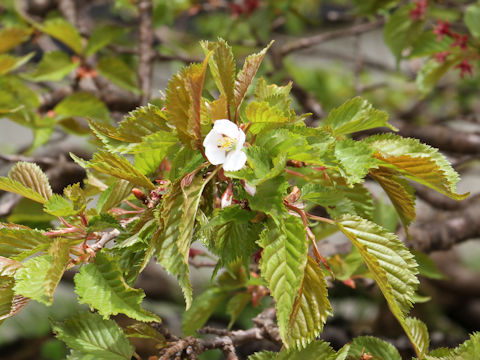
(265,329)
(442,202)
(306,42)
(443,137)
(68,10)
(444,233)
(145,49)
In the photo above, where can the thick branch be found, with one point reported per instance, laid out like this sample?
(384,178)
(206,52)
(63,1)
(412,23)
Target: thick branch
(145,49)
(443,234)
(304,43)
(443,137)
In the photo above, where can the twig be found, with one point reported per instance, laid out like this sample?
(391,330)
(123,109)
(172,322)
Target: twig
(38,160)
(265,329)
(145,49)
(106,237)
(306,42)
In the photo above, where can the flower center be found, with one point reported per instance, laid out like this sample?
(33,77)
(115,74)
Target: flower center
(226,143)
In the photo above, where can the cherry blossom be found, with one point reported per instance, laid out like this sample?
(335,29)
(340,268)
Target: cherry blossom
(224,144)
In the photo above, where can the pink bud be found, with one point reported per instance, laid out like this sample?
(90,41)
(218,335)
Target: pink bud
(227,196)
(250,189)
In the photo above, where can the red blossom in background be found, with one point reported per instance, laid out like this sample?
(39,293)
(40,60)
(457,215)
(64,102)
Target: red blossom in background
(442,28)
(465,68)
(418,13)
(248,7)
(460,41)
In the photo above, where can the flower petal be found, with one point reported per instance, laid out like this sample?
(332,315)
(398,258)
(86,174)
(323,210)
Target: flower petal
(215,155)
(235,161)
(226,127)
(240,140)
(211,138)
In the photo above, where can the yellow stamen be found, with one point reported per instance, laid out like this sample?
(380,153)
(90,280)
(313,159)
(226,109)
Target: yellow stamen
(226,143)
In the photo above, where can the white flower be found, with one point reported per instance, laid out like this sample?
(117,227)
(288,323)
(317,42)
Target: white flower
(224,144)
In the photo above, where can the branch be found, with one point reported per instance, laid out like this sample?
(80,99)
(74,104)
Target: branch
(443,137)
(442,234)
(145,49)
(264,329)
(106,237)
(306,42)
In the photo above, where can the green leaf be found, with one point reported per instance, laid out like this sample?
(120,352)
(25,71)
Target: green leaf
(235,241)
(393,267)
(19,242)
(264,117)
(472,19)
(39,276)
(54,66)
(427,267)
(340,199)
(63,31)
(90,334)
(418,335)
(101,286)
(318,350)
(12,36)
(433,70)
(114,195)
(10,304)
(173,238)
(236,304)
(401,31)
(310,145)
(138,126)
(145,331)
(283,262)
(30,175)
(13,186)
(260,167)
(82,104)
(274,95)
(311,307)
(153,149)
(184,95)
(356,159)
(379,349)
(117,166)
(119,73)
(427,44)
(246,75)
(76,195)
(59,206)
(271,199)
(102,36)
(202,308)
(418,162)
(28,180)
(9,63)
(470,349)
(264,355)
(133,259)
(355,115)
(185,161)
(102,222)
(222,66)
(399,191)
